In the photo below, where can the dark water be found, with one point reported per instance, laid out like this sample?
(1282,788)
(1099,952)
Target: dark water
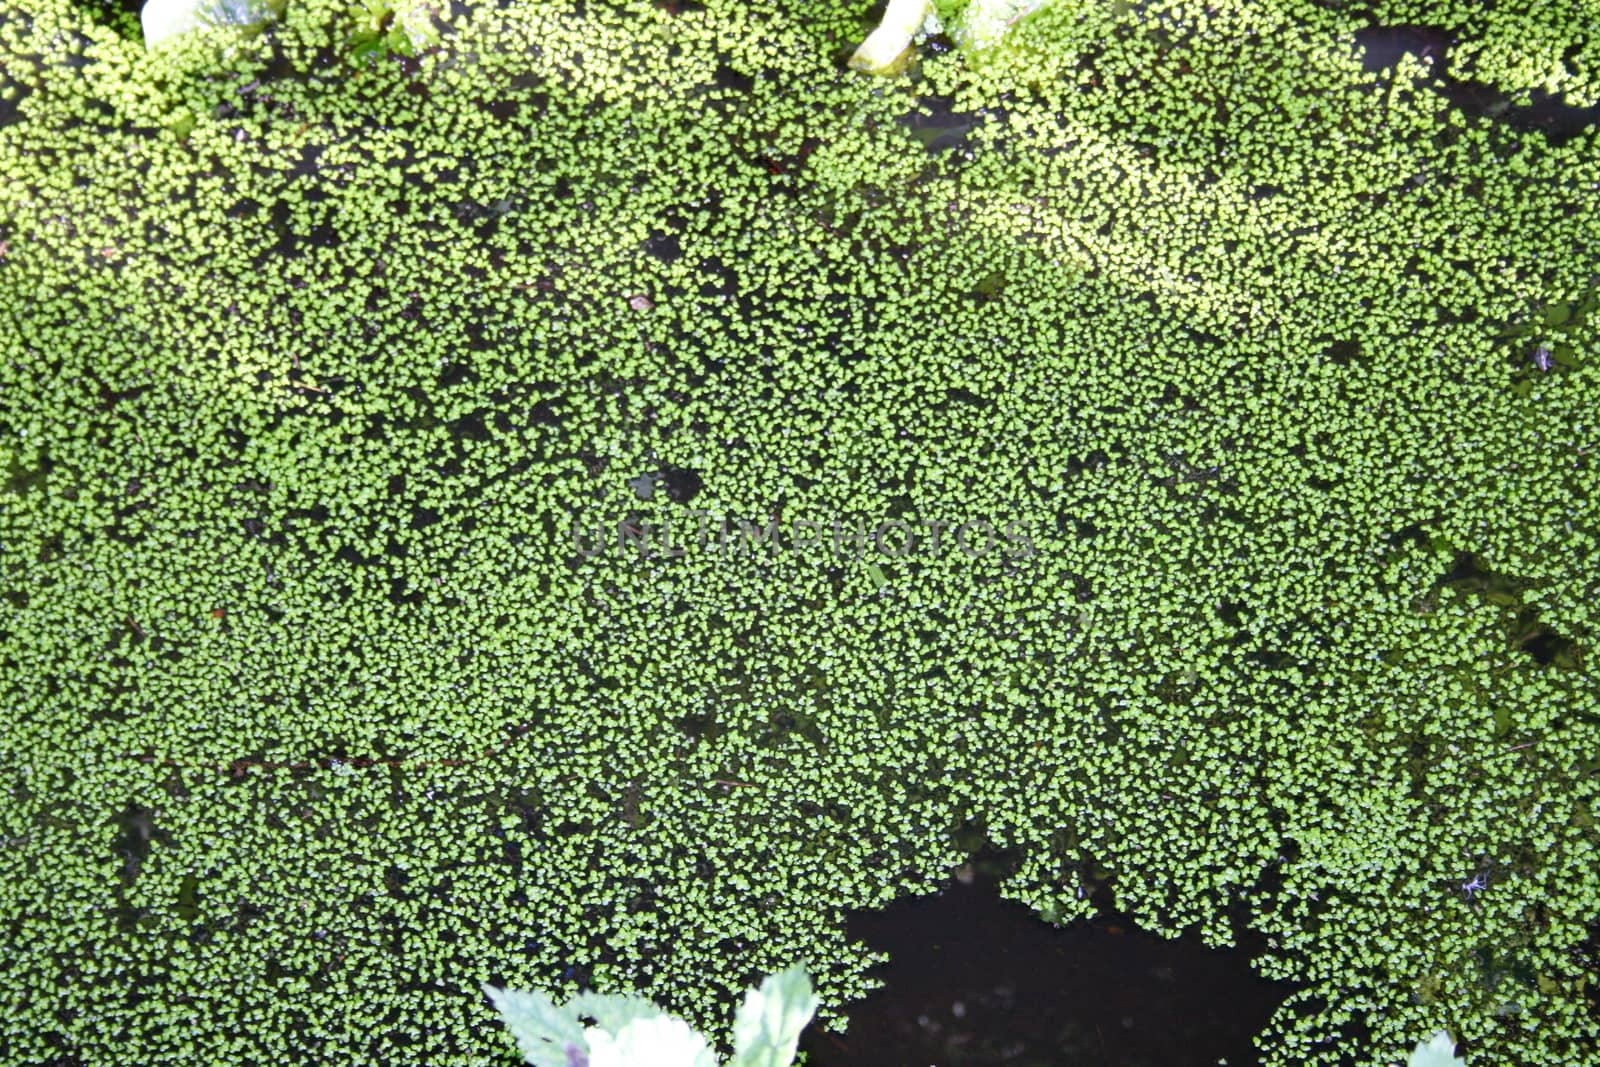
(1382,47)
(975,980)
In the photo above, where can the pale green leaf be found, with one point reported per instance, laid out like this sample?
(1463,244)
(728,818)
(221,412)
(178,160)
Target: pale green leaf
(1438,1052)
(611,1012)
(547,1035)
(661,1041)
(162,19)
(767,1028)
(984,22)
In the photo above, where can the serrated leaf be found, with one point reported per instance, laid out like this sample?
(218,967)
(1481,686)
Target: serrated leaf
(613,1012)
(547,1035)
(660,1041)
(767,1028)
(1438,1052)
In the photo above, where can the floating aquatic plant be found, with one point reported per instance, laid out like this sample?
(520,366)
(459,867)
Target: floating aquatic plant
(317,720)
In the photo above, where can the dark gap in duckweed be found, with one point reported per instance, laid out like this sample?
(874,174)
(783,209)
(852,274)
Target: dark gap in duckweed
(1382,46)
(665,247)
(120,15)
(939,126)
(1544,644)
(1551,115)
(1470,574)
(726,77)
(137,831)
(974,980)
(10,104)
(681,484)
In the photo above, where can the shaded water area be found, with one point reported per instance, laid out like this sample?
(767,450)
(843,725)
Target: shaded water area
(1559,121)
(976,980)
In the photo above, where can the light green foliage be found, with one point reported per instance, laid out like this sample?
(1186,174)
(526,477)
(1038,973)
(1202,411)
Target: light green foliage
(766,1030)
(547,1035)
(632,1032)
(972,24)
(664,1040)
(389,28)
(983,23)
(315,720)
(164,19)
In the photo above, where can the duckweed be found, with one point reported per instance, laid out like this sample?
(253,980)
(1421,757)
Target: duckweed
(317,721)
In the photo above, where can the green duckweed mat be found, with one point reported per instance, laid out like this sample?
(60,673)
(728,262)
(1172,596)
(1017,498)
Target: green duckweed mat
(1260,386)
